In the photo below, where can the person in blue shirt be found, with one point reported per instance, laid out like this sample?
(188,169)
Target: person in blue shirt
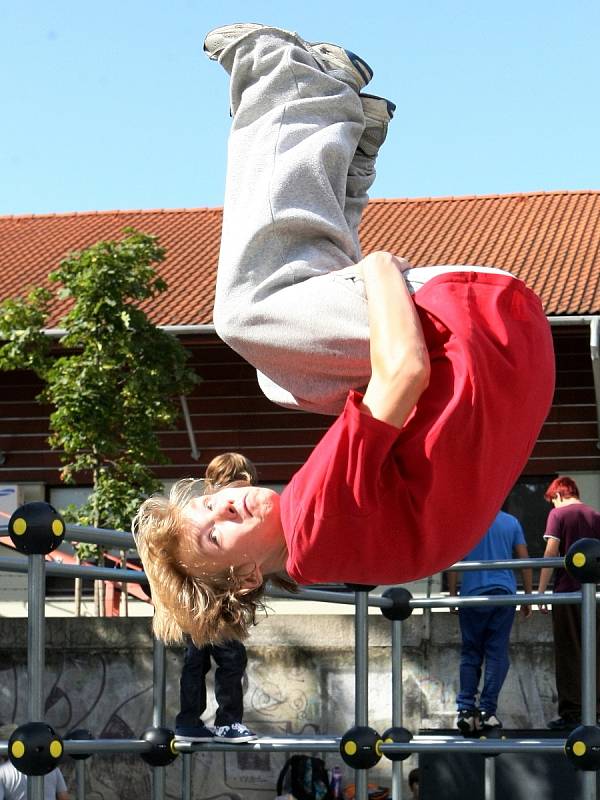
(485,630)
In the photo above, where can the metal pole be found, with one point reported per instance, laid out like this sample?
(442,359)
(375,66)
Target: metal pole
(490,779)
(36,591)
(186,776)
(361,686)
(588,654)
(158,713)
(80,779)
(588,673)
(397,776)
(160,684)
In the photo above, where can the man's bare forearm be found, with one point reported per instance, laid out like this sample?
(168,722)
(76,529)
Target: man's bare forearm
(399,358)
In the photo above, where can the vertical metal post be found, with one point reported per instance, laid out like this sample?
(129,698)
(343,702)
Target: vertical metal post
(588,654)
(490,778)
(361,686)
(158,713)
(588,673)
(160,684)
(397,771)
(186,776)
(36,593)
(80,779)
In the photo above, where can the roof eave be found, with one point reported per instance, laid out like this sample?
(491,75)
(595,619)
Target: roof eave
(176,330)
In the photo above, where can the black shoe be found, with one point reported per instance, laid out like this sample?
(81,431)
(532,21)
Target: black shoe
(194,733)
(489,721)
(563,724)
(467,720)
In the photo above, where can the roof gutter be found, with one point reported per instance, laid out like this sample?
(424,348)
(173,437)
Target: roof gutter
(594,322)
(176,330)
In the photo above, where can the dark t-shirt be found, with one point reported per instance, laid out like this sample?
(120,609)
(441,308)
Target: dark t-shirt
(568,524)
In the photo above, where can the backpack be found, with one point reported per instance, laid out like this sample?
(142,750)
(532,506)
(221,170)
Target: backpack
(305,777)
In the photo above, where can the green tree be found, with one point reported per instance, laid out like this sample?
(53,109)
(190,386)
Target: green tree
(116,379)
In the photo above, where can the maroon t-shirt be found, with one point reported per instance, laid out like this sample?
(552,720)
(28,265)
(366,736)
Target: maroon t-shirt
(377,504)
(568,524)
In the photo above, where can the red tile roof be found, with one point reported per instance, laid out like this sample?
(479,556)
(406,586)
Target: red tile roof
(549,239)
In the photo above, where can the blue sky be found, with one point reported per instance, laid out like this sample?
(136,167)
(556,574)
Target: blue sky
(112,105)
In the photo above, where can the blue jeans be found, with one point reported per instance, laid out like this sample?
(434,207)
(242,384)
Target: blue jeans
(485,635)
(231,661)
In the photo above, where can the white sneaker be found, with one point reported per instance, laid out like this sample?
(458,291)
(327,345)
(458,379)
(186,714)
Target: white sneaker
(489,721)
(236,733)
(378,112)
(216,41)
(342,64)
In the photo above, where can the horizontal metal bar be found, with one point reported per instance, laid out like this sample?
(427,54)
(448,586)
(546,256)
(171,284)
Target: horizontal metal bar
(312,744)
(274,743)
(85,746)
(77,571)
(327,596)
(328,744)
(490,746)
(54,569)
(498,600)
(86,533)
(511,563)
(419,744)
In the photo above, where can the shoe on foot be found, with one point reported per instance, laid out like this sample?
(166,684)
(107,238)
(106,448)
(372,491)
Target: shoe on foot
(236,733)
(467,720)
(378,112)
(334,60)
(489,721)
(563,724)
(342,64)
(216,41)
(194,733)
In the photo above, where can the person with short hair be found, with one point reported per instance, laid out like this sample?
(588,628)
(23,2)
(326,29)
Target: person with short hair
(13,783)
(569,520)
(229,657)
(451,409)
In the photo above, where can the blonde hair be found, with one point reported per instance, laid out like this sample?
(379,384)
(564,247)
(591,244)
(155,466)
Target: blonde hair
(212,608)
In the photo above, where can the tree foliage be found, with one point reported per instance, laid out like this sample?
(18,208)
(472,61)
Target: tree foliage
(116,379)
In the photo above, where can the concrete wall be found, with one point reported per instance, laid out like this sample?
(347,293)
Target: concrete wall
(300,680)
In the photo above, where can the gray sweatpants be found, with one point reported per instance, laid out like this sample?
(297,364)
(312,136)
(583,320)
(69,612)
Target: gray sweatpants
(288,299)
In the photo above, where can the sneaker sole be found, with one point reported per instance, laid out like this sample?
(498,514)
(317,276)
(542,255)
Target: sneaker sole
(379,109)
(228,33)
